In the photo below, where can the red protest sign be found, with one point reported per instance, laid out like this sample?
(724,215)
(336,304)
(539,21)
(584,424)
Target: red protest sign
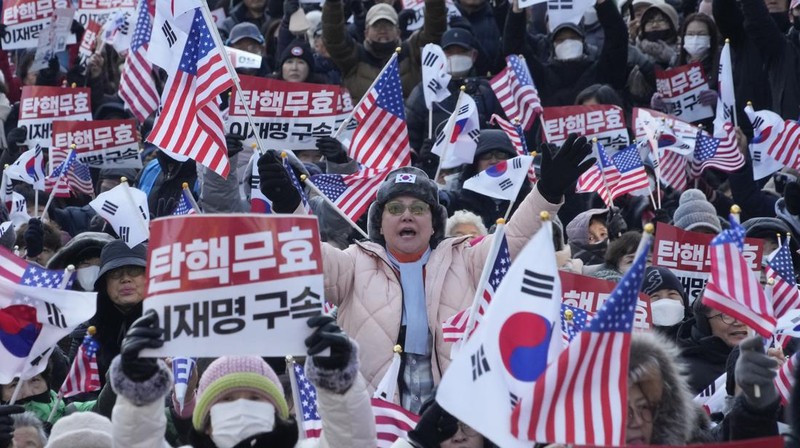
(220,282)
(100,143)
(680,87)
(605,122)
(589,294)
(89,41)
(40,105)
(25,19)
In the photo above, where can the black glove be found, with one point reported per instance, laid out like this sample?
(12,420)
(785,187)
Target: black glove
(7,423)
(49,76)
(791,197)
(562,170)
(34,238)
(328,334)
(16,138)
(615,224)
(165,206)
(234,142)
(435,426)
(290,7)
(332,149)
(276,185)
(144,333)
(427,146)
(662,215)
(755,368)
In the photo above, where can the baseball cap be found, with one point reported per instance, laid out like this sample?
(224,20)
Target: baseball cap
(459,37)
(381,11)
(245,30)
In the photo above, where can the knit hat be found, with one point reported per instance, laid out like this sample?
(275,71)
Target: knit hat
(657,278)
(494,140)
(299,49)
(695,213)
(234,374)
(82,429)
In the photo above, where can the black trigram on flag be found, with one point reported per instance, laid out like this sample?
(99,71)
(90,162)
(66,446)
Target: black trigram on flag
(537,285)
(559,4)
(758,122)
(434,85)
(516,163)
(55,316)
(125,233)
(474,134)
(430,59)
(169,34)
(254,181)
(464,109)
(144,214)
(479,364)
(506,184)
(110,208)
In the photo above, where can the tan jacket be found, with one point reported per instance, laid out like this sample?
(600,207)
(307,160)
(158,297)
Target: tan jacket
(366,288)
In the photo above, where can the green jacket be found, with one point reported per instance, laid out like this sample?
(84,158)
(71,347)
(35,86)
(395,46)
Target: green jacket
(43,410)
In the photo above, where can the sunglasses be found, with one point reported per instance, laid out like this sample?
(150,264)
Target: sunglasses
(416,208)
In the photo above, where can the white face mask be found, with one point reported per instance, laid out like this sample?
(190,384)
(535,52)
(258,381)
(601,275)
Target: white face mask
(569,49)
(666,312)
(235,421)
(696,45)
(87,276)
(459,64)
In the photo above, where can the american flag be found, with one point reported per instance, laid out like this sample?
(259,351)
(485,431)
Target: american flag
(722,154)
(309,417)
(392,422)
(352,193)
(190,123)
(732,288)
(784,382)
(785,295)
(297,186)
(774,136)
(601,177)
(632,176)
(453,329)
(672,169)
(381,137)
(184,206)
(582,397)
(19,271)
(571,328)
(83,375)
(514,133)
(516,92)
(136,85)
(70,174)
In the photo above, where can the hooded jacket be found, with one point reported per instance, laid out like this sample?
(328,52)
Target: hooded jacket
(705,353)
(578,238)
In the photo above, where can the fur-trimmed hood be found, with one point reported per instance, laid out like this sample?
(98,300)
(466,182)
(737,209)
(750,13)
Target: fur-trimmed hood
(84,245)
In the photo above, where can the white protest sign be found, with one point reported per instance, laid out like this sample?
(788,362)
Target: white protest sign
(243,59)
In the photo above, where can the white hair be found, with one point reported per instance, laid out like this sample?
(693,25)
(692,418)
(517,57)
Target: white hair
(29,419)
(464,217)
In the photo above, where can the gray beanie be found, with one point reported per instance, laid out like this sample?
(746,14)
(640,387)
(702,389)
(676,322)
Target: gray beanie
(82,429)
(696,213)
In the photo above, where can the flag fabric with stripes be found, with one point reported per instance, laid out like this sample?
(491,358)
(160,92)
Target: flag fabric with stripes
(297,186)
(722,154)
(71,175)
(582,398)
(83,375)
(17,270)
(601,177)
(632,175)
(453,329)
(352,193)
(137,88)
(190,123)
(184,206)
(785,295)
(571,327)
(672,169)
(515,134)
(784,382)
(392,422)
(774,136)
(516,92)
(733,288)
(381,137)
(308,415)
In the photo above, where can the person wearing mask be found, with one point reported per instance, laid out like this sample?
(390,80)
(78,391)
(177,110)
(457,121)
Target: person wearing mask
(618,259)
(459,47)
(486,19)
(420,278)
(669,305)
(361,63)
(658,35)
(587,236)
(570,70)
(83,252)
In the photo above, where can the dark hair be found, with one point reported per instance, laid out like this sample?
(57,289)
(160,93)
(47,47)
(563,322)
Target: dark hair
(624,245)
(602,93)
(52,236)
(713,55)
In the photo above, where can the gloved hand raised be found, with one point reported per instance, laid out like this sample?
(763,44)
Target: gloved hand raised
(560,171)
(328,335)
(144,333)
(34,238)
(435,426)
(276,184)
(332,149)
(615,223)
(7,424)
(755,368)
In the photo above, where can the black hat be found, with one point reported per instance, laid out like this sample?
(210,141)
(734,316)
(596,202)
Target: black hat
(657,278)
(494,140)
(117,254)
(85,245)
(568,26)
(245,30)
(299,49)
(458,36)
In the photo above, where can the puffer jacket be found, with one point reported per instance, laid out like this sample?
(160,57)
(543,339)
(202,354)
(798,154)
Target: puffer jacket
(360,68)
(367,290)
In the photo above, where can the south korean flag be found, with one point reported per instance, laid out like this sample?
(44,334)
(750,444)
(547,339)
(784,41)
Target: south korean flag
(503,180)
(125,208)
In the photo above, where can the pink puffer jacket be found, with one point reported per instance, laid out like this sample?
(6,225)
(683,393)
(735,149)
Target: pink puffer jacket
(366,288)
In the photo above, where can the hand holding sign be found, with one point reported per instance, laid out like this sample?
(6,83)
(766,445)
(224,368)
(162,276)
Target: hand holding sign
(144,333)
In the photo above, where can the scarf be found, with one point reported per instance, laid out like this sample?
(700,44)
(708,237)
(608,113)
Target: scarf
(415,312)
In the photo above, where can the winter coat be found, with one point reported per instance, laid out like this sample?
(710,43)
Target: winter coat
(366,288)
(360,67)
(559,82)
(237,15)
(43,410)
(111,325)
(705,354)
(487,23)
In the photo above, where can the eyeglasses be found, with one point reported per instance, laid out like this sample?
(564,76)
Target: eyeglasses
(130,271)
(729,320)
(467,430)
(646,412)
(416,208)
(496,155)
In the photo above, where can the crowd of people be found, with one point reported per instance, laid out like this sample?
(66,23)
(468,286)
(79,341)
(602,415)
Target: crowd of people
(427,238)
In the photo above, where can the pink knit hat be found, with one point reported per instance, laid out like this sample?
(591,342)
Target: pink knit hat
(234,374)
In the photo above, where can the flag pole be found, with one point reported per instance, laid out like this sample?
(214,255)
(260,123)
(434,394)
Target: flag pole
(658,166)
(190,198)
(603,176)
(497,239)
(58,183)
(298,409)
(124,180)
(353,112)
(430,120)
(212,28)
(305,179)
(448,130)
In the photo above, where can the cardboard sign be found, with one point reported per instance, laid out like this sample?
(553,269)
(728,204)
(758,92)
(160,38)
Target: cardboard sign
(235,284)
(606,123)
(688,255)
(101,143)
(589,294)
(40,105)
(25,19)
(288,115)
(680,88)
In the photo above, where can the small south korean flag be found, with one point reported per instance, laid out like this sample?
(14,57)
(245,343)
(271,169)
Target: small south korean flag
(503,180)
(405,178)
